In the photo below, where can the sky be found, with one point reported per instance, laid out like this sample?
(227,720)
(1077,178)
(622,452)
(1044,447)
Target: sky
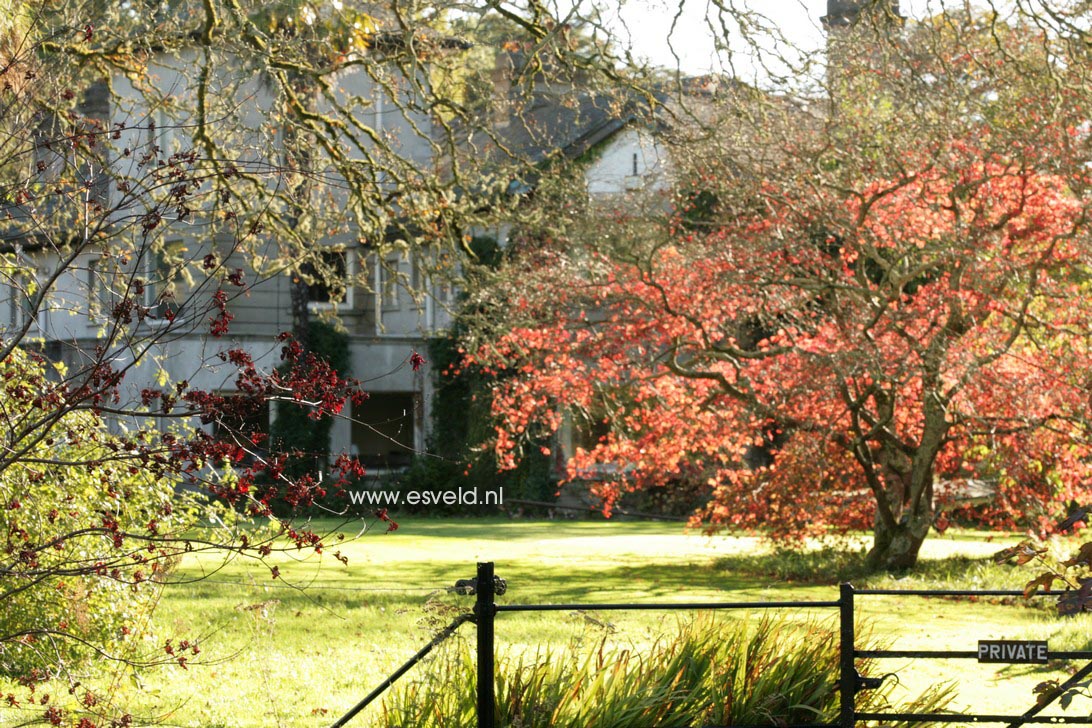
(647,23)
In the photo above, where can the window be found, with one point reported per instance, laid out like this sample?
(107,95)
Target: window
(444,291)
(442,279)
(20,290)
(383,431)
(329,279)
(98,288)
(159,280)
(418,276)
(162,132)
(389,283)
(20,302)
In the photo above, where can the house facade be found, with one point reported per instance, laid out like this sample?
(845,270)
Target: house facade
(387,299)
(61,295)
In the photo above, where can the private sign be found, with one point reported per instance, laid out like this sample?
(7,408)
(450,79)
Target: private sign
(1013,651)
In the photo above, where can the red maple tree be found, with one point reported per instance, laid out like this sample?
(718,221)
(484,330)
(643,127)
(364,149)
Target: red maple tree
(825,361)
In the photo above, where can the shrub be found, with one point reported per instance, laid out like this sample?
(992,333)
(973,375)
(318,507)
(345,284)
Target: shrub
(294,428)
(709,672)
(68,589)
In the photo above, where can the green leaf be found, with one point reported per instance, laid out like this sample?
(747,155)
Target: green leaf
(1045,580)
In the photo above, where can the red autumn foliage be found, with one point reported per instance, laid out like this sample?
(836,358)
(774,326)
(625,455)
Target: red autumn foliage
(824,362)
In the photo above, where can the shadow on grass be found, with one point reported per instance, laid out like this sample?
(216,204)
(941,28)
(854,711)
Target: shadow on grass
(832,566)
(529,582)
(507,529)
(732,578)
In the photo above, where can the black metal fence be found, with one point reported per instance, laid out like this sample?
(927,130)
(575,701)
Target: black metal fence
(487,587)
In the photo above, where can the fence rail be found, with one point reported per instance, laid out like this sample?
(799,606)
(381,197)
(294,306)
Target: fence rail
(487,586)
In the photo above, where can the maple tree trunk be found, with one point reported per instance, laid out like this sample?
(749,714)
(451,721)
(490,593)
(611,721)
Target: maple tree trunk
(895,548)
(905,509)
(897,539)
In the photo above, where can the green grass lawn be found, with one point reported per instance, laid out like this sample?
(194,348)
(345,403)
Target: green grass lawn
(302,649)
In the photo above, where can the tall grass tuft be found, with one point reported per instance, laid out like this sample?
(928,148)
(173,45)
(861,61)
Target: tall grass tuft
(707,673)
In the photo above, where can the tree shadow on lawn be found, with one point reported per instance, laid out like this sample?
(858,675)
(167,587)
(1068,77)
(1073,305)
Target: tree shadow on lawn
(670,581)
(742,577)
(502,528)
(529,582)
(833,566)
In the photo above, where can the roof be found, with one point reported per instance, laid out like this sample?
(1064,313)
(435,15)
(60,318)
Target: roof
(563,125)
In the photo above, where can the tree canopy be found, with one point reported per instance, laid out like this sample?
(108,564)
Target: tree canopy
(855,306)
(161,162)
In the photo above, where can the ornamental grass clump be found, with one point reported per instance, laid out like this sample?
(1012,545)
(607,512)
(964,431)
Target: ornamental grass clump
(774,671)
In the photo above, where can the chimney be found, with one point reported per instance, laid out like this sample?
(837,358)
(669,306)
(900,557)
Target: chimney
(503,71)
(845,45)
(846,13)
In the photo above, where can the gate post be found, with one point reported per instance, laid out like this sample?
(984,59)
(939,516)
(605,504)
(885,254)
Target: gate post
(847,681)
(485,611)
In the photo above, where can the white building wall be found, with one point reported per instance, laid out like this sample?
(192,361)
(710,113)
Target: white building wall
(631,161)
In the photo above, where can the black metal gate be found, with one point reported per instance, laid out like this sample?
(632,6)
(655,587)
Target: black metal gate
(487,586)
(849,716)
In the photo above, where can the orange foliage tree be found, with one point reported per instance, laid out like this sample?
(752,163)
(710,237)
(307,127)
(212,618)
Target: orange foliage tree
(938,331)
(840,321)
